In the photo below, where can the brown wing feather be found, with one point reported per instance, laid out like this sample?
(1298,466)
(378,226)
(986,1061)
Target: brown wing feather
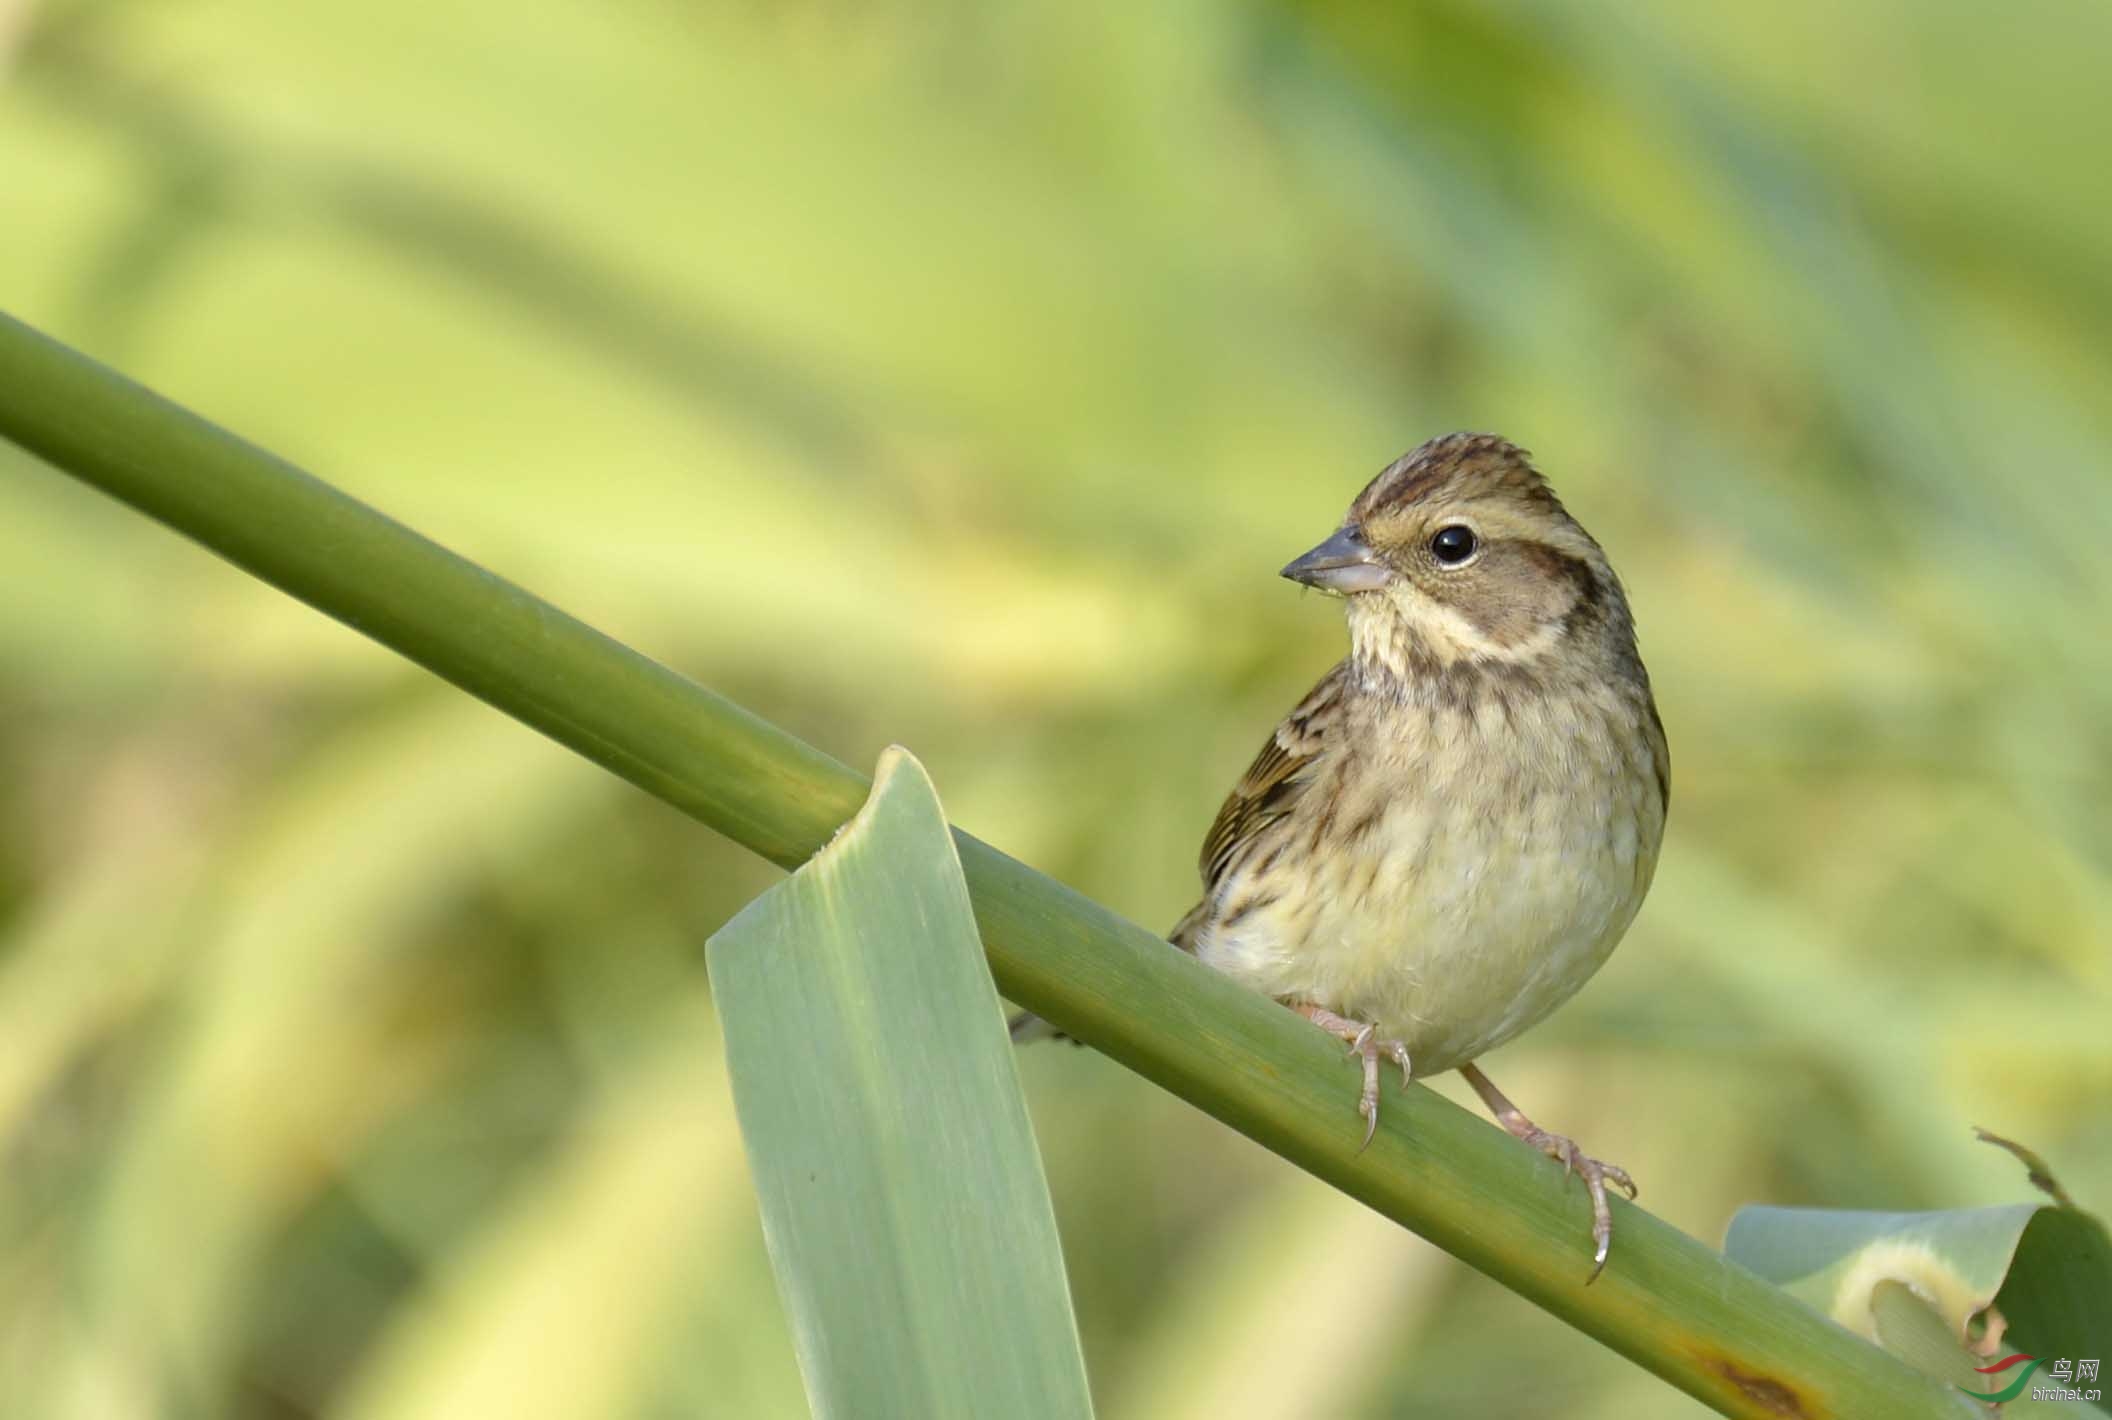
(1266,792)
(1263,795)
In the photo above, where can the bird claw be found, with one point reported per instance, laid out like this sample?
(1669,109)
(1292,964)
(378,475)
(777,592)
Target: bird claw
(1363,1042)
(1596,1174)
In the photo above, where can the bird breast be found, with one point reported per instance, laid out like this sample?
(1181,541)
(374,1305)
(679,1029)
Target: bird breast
(1456,868)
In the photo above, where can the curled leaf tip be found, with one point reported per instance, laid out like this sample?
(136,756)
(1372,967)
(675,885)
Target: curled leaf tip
(2040,1173)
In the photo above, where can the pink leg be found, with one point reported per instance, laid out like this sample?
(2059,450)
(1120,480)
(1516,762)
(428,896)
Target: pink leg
(1596,1174)
(1363,1042)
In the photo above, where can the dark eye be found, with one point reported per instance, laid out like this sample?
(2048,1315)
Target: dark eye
(1453,545)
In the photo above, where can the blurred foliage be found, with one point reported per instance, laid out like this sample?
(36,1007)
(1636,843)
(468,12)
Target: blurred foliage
(353,1050)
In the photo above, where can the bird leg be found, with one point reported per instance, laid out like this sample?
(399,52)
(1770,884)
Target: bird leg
(1362,1037)
(1595,1173)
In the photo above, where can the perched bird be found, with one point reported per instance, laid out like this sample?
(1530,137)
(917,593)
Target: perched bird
(1451,832)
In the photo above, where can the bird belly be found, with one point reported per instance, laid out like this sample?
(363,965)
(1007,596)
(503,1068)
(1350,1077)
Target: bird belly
(1456,920)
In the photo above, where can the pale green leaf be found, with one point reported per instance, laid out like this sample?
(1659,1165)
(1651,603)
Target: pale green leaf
(901,1190)
(1951,1291)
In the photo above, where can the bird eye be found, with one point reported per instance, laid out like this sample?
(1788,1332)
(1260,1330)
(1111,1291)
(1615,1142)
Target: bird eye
(1453,545)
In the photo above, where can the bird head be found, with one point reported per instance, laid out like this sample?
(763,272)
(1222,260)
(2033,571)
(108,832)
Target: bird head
(1460,550)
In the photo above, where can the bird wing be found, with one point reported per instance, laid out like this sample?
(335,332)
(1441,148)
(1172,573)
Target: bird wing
(1273,783)
(1263,795)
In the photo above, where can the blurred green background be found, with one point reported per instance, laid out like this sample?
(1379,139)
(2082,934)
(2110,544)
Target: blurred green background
(959,375)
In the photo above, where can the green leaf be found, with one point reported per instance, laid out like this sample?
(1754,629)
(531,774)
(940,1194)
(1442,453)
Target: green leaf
(1949,1292)
(901,1190)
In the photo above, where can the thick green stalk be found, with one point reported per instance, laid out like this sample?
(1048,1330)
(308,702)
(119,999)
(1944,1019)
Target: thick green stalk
(1665,1301)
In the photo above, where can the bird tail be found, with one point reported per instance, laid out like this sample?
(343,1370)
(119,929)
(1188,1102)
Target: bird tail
(1190,927)
(1026,1026)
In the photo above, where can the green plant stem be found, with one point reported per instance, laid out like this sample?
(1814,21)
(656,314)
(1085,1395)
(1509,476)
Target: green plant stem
(1666,1301)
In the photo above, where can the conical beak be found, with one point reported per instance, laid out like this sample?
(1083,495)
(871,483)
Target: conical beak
(1344,563)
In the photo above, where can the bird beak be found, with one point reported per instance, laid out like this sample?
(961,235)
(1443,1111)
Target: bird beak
(1344,563)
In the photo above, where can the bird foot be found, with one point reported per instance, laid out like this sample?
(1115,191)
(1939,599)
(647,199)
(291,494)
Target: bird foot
(1596,1173)
(1363,1041)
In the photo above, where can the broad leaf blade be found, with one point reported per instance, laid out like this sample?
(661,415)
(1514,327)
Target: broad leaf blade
(2058,1296)
(1948,1292)
(901,1190)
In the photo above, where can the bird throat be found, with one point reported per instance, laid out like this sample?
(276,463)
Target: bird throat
(1394,645)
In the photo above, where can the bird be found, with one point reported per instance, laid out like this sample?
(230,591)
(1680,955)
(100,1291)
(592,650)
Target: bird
(1451,832)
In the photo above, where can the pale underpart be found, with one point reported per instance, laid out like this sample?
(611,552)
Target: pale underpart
(1482,860)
